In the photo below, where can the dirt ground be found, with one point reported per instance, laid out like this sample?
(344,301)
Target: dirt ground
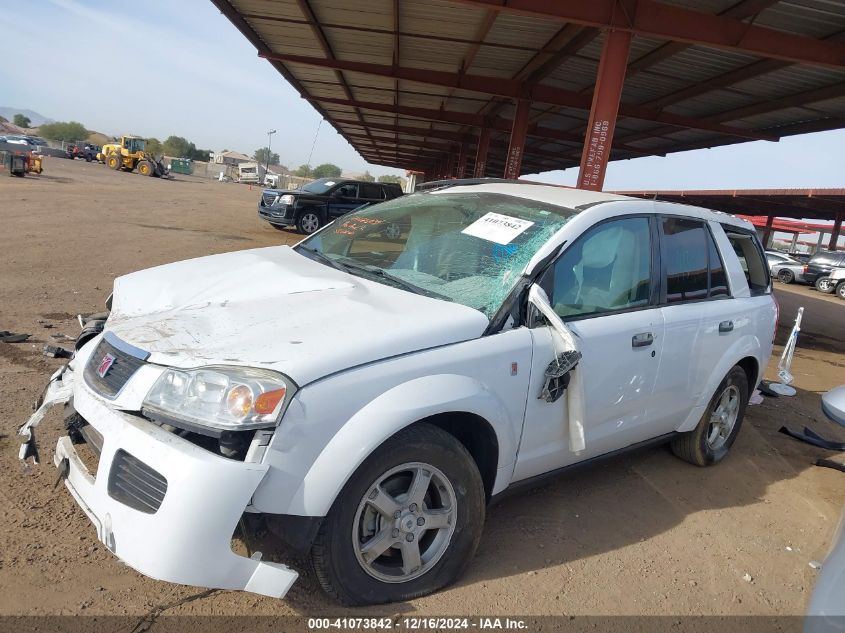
(640,534)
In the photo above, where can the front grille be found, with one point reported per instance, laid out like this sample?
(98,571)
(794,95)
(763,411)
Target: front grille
(135,484)
(122,368)
(268,199)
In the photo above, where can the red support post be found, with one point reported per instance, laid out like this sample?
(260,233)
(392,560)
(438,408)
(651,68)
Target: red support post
(516,148)
(481,153)
(767,232)
(602,122)
(450,166)
(834,235)
(462,160)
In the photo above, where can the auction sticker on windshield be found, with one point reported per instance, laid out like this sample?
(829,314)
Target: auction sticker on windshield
(495,227)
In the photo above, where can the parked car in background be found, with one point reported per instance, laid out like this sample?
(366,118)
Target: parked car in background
(820,266)
(784,268)
(836,280)
(15,139)
(321,201)
(367,396)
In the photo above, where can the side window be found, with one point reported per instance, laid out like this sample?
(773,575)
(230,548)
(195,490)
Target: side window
(606,269)
(348,190)
(751,260)
(684,251)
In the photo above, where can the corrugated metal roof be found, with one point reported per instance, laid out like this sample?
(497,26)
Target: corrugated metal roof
(707,85)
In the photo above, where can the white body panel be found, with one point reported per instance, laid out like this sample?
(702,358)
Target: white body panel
(369,360)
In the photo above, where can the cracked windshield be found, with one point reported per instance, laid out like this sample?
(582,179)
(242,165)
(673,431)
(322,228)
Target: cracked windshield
(469,248)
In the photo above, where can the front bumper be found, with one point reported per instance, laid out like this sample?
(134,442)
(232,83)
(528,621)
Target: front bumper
(187,540)
(282,216)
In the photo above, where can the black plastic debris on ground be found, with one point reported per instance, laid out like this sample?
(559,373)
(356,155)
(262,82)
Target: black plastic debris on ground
(12,337)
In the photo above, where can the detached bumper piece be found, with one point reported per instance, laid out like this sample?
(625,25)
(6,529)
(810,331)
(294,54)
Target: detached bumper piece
(164,506)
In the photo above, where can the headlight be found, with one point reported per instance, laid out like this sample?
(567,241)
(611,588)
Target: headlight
(226,398)
(286,199)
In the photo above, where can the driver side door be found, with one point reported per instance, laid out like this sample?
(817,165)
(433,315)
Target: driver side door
(343,199)
(604,288)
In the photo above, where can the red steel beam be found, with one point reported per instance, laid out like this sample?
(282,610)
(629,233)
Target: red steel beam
(679,24)
(515,90)
(609,82)
(481,153)
(516,148)
(834,235)
(462,160)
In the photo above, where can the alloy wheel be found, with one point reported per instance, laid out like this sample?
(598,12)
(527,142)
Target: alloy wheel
(723,417)
(404,523)
(310,222)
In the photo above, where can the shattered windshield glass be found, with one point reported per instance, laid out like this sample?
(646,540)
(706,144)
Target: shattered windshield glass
(469,248)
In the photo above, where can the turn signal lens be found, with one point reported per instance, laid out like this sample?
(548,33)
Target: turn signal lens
(267,402)
(239,401)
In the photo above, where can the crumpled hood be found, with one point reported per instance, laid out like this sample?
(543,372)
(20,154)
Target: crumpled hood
(274,308)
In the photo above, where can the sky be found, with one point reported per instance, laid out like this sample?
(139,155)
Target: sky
(191,73)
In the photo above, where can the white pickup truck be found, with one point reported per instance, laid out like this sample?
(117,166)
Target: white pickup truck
(366,393)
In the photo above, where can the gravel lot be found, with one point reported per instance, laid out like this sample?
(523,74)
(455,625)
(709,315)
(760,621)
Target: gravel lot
(640,534)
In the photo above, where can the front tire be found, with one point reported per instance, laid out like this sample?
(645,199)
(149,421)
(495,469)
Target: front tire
(840,290)
(786,276)
(407,522)
(308,222)
(709,442)
(825,285)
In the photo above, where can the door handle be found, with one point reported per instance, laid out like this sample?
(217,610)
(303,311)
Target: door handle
(726,326)
(643,339)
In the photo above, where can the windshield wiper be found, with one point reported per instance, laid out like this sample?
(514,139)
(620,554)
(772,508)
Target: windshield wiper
(381,272)
(315,254)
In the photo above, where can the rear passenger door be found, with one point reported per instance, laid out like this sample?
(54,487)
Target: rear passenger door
(699,318)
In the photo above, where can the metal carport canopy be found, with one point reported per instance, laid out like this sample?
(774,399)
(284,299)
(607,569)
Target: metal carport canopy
(456,88)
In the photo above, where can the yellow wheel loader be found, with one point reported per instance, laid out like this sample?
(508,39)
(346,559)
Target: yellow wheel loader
(129,155)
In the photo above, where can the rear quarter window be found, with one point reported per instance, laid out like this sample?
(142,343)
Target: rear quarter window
(747,248)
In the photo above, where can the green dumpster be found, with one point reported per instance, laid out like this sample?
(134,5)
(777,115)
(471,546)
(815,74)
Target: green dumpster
(182,166)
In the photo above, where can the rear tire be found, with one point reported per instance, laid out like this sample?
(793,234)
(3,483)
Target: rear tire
(786,276)
(840,290)
(427,477)
(825,285)
(709,442)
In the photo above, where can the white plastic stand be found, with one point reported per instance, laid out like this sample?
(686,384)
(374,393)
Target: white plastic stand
(783,387)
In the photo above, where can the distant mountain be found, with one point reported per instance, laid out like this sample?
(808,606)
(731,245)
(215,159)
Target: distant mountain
(34,118)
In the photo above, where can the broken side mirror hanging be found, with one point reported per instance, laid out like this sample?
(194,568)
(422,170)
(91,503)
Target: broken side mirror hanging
(561,375)
(557,375)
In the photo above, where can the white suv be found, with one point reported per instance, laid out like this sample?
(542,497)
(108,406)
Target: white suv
(366,393)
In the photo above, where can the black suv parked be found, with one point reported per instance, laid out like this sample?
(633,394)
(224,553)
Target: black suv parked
(820,265)
(321,201)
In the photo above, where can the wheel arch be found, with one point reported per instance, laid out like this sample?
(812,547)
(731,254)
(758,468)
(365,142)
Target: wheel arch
(464,408)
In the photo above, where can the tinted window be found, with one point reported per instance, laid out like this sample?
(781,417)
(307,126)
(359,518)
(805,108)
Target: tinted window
(349,190)
(685,255)
(371,191)
(607,269)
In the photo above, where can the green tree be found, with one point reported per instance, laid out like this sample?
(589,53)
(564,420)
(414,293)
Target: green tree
(368,177)
(398,180)
(261,155)
(64,131)
(304,171)
(326,170)
(21,121)
(154,146)
(200,154)
(178,147)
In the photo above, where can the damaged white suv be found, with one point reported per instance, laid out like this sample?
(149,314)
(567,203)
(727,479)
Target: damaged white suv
(367,392)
